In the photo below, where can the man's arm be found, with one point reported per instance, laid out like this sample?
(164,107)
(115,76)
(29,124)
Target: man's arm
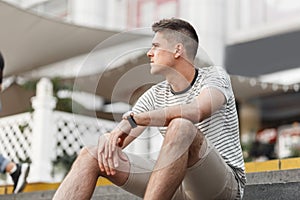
(208,101)
(127,138)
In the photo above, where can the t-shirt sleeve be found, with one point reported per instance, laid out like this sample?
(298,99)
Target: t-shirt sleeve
(218,78)
(145,102)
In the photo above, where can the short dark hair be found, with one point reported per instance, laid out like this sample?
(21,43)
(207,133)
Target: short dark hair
(1,67)
(184,29)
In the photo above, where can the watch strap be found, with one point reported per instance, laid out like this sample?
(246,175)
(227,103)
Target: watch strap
(131,121)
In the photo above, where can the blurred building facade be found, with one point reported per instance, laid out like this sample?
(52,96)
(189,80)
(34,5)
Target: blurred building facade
(252,39)
(262,43)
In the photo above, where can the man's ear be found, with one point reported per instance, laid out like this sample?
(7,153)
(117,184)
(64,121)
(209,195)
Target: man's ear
(178,50)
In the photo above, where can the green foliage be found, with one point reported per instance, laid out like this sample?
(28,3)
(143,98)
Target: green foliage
(63,104)
(246,147)
(64,162)
(295,152)
(30,85)
(23,127)
(66,159)
(59,85)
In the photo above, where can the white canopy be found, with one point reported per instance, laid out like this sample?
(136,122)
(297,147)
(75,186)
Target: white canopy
(29,41)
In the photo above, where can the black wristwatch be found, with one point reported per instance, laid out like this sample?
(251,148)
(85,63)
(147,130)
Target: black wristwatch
(131,120)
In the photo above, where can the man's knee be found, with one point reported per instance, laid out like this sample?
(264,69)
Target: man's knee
(181,133)
(181,125)
(184,133)
(83,151)
(86,156)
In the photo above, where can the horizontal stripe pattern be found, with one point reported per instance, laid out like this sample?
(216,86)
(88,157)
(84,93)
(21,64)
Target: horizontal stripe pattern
(222,128)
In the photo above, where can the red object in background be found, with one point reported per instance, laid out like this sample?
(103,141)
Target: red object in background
(267,136)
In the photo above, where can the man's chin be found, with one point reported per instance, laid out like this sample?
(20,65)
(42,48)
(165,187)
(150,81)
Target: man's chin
(153,71)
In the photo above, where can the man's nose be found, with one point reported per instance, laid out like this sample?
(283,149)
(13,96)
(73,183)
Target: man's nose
(149,53)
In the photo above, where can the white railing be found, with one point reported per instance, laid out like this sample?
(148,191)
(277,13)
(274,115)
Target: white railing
(76,131)
(72,132)
(15,136)
(45,135)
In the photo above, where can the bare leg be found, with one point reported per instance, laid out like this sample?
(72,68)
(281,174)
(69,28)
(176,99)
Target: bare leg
(80,183)
(10,166)
(180,149)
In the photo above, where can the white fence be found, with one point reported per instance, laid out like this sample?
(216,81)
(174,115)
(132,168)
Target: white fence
(44,136)
(15,136)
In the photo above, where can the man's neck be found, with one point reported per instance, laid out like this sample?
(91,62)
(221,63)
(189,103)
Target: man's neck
(181,78)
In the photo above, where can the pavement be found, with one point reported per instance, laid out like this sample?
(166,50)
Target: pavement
(269,180)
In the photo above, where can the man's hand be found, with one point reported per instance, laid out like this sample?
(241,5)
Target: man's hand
(109,148)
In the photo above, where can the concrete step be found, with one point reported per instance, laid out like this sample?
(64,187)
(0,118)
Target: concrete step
(273,185)
(274,191)
(269,191)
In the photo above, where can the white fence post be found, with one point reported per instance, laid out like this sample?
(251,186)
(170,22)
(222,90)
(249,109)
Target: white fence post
(43,134)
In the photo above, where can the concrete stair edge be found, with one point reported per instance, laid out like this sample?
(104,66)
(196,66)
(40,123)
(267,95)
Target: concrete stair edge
(272,185)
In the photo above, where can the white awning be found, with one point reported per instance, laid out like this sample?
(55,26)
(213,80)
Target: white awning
(29,41)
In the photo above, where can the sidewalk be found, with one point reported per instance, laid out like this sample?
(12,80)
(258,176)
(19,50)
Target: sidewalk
(269,180)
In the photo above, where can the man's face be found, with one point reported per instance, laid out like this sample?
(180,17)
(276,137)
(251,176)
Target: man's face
(161,54)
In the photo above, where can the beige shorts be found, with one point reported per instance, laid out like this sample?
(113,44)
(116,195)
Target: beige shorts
(209,178)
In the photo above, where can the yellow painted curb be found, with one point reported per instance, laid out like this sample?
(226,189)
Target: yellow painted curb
(32,187)
(290,163)
(273,165)
(103,182)
(270,165)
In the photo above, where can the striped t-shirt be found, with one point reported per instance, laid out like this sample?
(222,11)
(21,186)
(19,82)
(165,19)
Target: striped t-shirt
(221,128)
